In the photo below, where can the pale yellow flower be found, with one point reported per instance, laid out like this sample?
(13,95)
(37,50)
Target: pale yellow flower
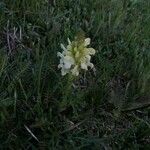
(75,56)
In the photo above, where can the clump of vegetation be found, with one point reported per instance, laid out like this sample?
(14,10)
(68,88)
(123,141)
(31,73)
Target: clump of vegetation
(106,107)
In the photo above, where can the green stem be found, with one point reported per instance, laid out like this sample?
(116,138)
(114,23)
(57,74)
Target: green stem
(67,92)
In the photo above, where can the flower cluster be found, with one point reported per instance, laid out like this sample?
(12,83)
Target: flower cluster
(75,56)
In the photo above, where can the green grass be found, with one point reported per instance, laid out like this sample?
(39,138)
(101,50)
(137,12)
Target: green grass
(108,109)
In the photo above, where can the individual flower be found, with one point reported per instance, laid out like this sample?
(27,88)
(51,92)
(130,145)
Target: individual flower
(75,56)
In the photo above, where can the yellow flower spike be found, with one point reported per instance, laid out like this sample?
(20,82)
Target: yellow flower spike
(75,56)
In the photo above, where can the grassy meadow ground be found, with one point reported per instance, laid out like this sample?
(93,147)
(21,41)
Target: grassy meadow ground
(107,108)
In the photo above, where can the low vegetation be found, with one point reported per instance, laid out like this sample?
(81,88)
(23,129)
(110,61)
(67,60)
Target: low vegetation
(106,107)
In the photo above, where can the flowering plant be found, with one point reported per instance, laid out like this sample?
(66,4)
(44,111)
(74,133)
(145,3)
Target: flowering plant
(75,56)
